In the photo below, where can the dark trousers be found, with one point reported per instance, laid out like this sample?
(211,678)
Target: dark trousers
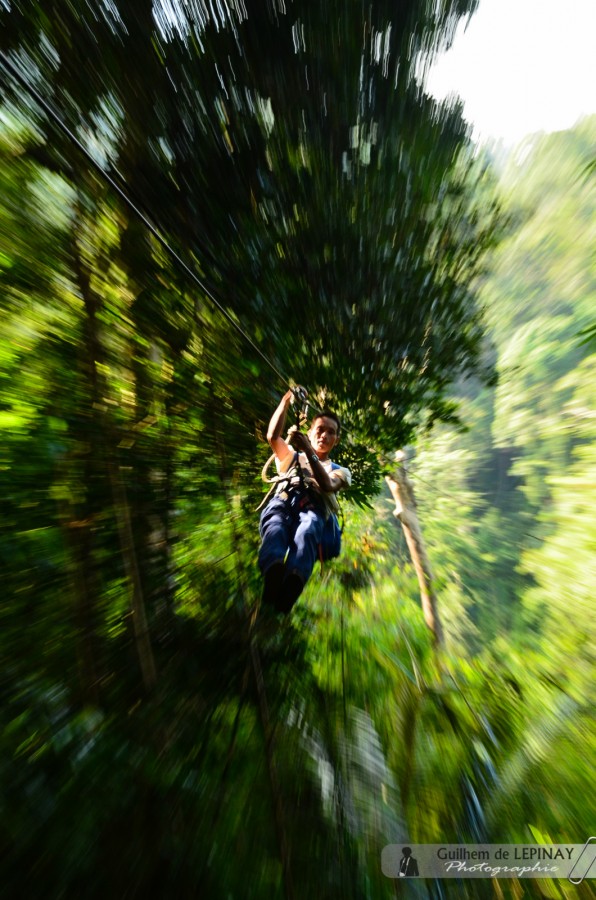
(291,525)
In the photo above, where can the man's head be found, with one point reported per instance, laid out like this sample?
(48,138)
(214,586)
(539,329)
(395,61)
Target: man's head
(324,432)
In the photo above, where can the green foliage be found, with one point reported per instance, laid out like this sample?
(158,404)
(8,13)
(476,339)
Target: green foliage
(156,739)
(507,505)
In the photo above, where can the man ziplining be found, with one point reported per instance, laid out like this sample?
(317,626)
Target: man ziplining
(293,521)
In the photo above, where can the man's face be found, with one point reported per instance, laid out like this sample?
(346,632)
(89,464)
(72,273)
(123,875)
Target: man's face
(323,434)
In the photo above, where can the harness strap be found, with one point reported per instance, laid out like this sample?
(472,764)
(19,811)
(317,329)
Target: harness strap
(284,478)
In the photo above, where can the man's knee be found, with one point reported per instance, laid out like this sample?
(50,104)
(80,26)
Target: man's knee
(275,513)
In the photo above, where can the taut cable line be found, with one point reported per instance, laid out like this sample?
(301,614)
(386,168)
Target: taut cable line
(53,115)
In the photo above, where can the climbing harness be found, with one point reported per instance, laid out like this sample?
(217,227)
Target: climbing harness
(288,479)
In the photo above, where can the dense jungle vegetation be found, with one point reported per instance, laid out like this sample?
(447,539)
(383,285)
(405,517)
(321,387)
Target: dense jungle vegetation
(158,737)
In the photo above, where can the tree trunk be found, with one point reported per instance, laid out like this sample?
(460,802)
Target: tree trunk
(405,510)
(78,538)
(79,518)
(137,602)
(102,438)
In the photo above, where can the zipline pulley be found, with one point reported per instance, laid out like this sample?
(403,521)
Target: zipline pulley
(300,404)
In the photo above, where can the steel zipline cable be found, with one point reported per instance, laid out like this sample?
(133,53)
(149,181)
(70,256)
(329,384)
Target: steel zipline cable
(53,115)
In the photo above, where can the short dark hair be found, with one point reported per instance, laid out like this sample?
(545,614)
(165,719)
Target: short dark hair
(327,414)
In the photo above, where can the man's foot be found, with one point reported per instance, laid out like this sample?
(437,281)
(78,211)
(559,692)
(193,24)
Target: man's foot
(274,577)
(291,589)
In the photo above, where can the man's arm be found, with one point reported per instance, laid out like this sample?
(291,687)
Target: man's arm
(276,427)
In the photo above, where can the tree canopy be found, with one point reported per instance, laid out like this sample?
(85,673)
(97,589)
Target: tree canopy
(154,728)
(319,193)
